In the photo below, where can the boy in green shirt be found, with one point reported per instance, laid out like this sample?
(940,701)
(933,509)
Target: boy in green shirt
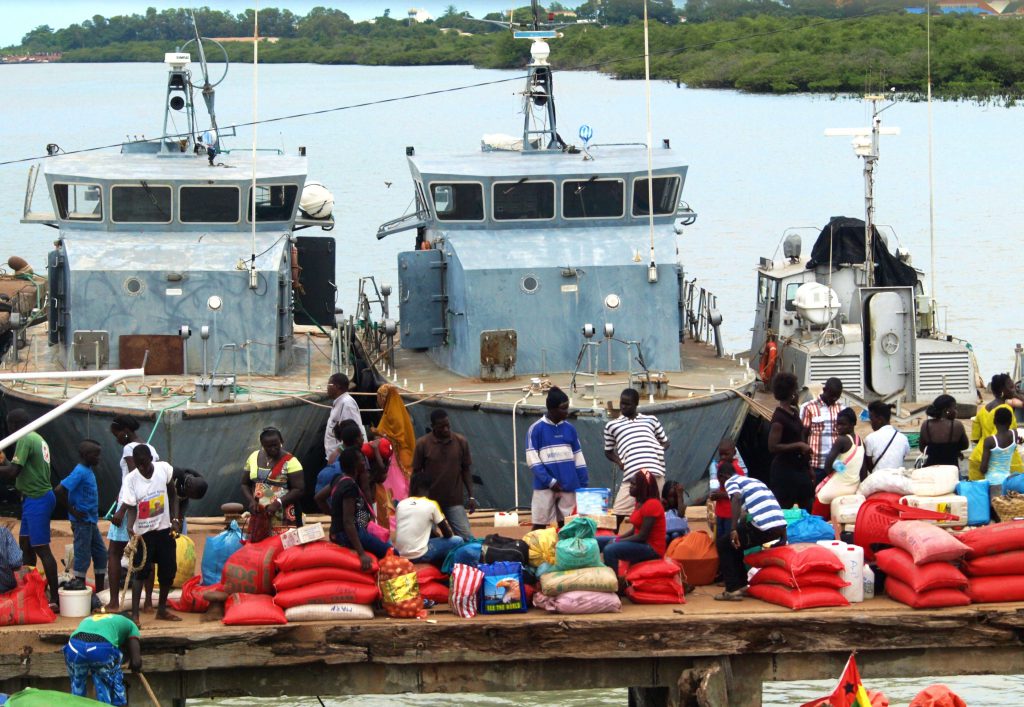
(30,469)
(95,650)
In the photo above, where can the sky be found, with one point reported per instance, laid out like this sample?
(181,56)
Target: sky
(19,16)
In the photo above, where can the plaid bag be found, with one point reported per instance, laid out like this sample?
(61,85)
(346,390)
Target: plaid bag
(464,588)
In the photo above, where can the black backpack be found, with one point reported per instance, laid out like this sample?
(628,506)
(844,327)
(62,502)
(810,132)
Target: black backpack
(497,548)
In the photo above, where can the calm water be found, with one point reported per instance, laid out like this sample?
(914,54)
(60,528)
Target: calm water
(758,165)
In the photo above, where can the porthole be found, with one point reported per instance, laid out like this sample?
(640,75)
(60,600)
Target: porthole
(529,284)
(134,286)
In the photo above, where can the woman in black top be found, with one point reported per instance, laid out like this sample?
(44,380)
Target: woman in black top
(351,511)
(791,479)
(943,437)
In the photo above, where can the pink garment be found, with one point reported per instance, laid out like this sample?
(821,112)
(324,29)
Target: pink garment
(396,482)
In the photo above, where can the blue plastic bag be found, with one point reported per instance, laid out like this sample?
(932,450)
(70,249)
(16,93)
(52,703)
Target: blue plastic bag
(217,551)
(809,529)
(1014,482)
(502,591)
(978,504)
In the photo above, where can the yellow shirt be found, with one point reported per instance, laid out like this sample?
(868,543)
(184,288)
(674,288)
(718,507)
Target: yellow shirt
(982,428)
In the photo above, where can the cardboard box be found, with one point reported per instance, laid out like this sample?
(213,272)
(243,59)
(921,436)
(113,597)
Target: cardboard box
(301,536)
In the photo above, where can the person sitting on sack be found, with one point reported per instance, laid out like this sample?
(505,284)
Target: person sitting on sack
(415,520)
(766,524)
(556,459)
(96,650)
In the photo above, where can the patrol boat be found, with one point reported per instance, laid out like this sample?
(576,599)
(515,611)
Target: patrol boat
(180,257)
(539,263)
(857,310)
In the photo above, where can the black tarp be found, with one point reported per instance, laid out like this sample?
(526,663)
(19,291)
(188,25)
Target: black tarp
(842,242)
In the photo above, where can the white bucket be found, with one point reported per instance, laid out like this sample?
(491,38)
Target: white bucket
(75,602)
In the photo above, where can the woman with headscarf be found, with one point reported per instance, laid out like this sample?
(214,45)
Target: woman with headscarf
(396,426)
(943,437)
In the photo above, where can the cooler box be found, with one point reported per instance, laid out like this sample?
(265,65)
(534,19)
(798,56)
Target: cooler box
(950,503)
(592,501)
(844,508)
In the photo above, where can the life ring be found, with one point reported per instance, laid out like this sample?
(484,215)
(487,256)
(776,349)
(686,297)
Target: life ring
(767,367)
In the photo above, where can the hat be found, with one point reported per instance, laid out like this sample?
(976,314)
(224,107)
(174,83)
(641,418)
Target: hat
(556,397)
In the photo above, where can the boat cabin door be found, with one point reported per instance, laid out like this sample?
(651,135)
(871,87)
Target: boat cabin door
(890,346)
(422,303)
(766,314)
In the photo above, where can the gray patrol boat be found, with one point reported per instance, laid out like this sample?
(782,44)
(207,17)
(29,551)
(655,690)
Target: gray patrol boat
(180,257)
(539,263)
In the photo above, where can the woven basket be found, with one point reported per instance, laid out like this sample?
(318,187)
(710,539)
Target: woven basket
(1009,506)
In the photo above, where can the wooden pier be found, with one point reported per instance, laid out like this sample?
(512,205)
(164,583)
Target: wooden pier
(724,652)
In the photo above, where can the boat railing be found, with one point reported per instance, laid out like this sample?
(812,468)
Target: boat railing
(701,315)
(407,222)
(27,214)
(107,379)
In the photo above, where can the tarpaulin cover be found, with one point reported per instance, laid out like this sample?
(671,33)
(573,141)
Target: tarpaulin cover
(842,242)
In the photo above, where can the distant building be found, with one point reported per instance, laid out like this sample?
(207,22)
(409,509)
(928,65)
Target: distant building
(418,15)
(37,58)
(971,8)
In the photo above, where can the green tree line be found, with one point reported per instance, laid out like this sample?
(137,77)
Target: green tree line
(770,52)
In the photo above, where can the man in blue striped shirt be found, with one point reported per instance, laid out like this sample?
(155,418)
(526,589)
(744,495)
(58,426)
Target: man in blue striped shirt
(633,442)
(554,454)
(766,523)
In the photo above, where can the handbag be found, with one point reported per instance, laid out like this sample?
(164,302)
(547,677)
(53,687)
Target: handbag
(373,527)
(922,460)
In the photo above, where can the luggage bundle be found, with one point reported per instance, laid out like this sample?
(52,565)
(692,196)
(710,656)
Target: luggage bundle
(920,570)
(26,603)
(697,555)
(322,573)
(995,562)
(655,582)
(800,576)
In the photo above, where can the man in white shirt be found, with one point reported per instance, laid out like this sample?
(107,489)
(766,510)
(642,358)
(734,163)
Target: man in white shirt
(148,490)
(415,519)
(886,447)
(343,407)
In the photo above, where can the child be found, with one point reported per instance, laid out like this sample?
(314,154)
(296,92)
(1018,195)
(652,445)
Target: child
(998,452)
(766,523)
(673,498)
(95,651)
(723,508)
(149,490)
(78,492)
(415,519)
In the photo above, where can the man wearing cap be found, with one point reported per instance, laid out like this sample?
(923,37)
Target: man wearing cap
(556,459)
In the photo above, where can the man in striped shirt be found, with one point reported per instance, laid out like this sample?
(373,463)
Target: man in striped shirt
(819,419)
(766,523)
(633,442)
(554,454)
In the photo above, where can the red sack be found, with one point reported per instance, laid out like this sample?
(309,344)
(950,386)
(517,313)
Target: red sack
(1002,564)
(778,575)
(250,570)
(937,696)
(435,591)
(665,586)
(797,599)
(932,599)
(320,554)
(27,603)
(653,569)
(926,542)
(995,538)
(638,596)
(428,573)
(302,578)
(327,593)
(797,559)
(252,610)
(984,590)
(192,596)
(899,564)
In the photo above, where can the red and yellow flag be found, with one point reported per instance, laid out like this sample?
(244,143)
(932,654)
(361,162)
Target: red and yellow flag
(848,693)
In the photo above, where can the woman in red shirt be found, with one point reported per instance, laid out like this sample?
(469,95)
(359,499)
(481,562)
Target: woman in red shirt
(646,541)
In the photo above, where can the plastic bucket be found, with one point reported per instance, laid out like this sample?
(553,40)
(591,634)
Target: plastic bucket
(75,602)
(592,501)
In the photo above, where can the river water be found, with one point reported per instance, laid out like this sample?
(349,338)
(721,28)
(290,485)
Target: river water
(758,165)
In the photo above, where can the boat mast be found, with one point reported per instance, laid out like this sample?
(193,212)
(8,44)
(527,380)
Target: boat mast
(539,94)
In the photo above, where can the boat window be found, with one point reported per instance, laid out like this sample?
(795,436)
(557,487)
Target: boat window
(517,201)
(79,202)
(140,204)
(208,205)
(593,198)
(665,196)
(791,289)
(458,202)
(274,202)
